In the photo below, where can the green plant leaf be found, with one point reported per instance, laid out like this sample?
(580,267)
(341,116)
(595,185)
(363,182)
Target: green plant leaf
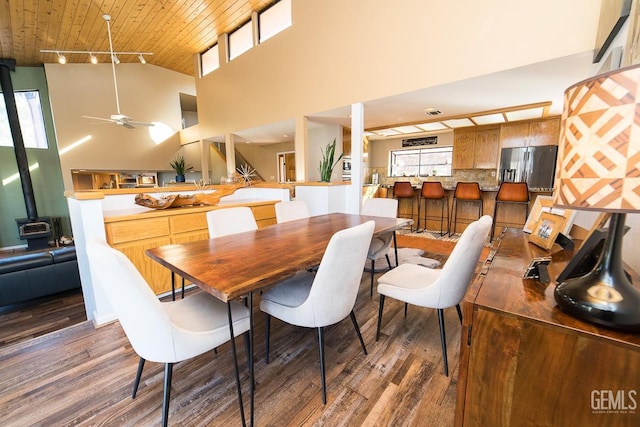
(179,165)
(327,163)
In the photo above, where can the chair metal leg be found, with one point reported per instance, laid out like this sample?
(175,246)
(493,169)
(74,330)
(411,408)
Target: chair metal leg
(380,316)
(183,288)
(173,286)
(445,202)
(246,338)
(388,261)
(373,267)
(459,313)
(395,246)
(355,325)
(252,377)
(322,373)
(406,305)
(235,363)
(454,208)
(443,340)
(493,224)
(267,327)
(168,369)
(136,383)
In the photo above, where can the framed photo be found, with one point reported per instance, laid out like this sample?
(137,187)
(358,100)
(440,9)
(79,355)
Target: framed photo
(545,204)
(613,14)
(546,230)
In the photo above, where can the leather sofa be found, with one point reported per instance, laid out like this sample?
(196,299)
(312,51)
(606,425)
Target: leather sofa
(37,274)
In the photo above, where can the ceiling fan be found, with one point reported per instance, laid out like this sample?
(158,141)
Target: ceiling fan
(119,118)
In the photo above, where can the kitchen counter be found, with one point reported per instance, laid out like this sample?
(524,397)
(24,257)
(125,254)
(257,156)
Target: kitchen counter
(174,188)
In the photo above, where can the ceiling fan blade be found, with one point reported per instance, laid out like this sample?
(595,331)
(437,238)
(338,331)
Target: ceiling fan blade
(98,118)
(127,125)
(133,122)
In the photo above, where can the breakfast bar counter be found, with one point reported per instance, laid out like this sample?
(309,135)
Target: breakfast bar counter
(507,215)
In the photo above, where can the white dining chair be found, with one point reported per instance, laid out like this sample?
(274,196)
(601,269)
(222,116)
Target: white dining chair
(222,222)
(291,210)
(326,298)
(380,244)
(437,288)
(163,332)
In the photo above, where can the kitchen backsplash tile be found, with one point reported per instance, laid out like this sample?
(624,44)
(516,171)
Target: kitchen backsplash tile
(486,177)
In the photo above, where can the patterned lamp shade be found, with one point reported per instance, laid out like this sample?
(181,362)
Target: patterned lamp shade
(599,153)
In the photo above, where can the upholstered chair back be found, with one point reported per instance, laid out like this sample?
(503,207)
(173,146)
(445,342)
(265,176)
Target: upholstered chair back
(335,286)
(222,222)
(380,207)
(291,210)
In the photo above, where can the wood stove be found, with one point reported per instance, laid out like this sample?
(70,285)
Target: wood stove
(36,232)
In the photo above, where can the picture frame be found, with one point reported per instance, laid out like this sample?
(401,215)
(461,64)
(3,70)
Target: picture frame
(546,230)
(613,15)
(545,204)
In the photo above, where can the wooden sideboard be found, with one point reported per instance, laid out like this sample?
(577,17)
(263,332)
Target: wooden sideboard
(524,362)
(134,234)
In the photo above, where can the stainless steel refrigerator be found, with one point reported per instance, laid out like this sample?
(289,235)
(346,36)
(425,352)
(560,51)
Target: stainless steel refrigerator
(534,165)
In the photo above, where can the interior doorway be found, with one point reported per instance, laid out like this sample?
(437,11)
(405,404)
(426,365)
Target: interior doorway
(287,166)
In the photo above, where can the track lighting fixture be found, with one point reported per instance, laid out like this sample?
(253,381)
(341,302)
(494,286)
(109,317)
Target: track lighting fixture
(113,56)
(93,55)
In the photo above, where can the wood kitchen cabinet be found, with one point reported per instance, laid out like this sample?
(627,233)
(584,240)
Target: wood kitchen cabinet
(530,133)
(476,148)
(524,362)
(134,234)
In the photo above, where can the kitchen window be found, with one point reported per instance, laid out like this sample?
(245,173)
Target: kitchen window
(31,121)
(434,161)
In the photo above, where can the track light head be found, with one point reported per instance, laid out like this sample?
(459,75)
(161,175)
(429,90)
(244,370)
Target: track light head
(141,59)
(93,58)
(115,59)
(61,58)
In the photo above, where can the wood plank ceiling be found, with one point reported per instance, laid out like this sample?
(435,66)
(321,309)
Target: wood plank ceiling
(174,30)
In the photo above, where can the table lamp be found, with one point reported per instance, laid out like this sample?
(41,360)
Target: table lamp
(599,169)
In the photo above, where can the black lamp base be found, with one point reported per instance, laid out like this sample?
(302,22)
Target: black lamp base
(604,296)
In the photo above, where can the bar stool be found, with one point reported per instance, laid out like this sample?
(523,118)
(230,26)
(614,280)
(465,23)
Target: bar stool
(434,191)
(465,192)
(404,190)
(511,192)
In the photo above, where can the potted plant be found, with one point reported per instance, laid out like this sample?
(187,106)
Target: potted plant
(180,166)
(327,164)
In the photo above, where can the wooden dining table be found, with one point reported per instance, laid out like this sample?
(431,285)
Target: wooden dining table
(237,265)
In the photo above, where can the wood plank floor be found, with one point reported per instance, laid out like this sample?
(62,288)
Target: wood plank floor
(83,376)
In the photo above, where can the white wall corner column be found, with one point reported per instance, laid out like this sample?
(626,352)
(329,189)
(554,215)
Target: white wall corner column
(301,147)
(354,192)
(87,222)
(323,197)
(230,153)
